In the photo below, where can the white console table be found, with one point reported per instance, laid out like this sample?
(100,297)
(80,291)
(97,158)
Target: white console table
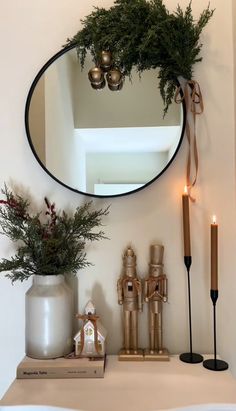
(129,386)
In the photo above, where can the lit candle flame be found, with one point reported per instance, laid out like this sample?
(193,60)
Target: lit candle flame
(185,190)
(214,219)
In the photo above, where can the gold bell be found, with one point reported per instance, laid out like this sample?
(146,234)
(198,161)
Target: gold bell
(115,79)
(96,78)
(106,60)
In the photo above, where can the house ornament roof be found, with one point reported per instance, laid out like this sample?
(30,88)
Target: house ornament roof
(90,308)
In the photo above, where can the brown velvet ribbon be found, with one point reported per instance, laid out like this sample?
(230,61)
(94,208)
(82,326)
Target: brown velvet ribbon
(194,106)
(93,318)
(154,280)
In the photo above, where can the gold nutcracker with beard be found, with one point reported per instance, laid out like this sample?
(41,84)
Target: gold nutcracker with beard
(129,289)
(155,293)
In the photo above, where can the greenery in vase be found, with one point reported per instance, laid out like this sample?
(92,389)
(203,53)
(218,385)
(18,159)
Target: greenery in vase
(48,243)
(145,35)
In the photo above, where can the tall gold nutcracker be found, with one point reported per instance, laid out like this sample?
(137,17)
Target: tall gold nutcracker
(129,289)
(155,293)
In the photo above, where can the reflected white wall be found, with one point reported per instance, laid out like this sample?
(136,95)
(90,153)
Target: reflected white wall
(59,122)
(124,168)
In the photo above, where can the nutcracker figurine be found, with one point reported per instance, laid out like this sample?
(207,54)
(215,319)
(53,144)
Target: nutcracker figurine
(129,290)
(155,293)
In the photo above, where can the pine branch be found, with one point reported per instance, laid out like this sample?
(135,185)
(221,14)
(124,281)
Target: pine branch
(49,243)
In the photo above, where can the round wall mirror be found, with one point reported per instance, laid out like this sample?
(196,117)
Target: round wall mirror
(100,143)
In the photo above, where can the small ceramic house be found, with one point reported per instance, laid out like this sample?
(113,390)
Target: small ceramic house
(90,340)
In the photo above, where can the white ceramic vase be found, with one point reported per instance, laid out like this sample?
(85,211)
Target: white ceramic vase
(48,317)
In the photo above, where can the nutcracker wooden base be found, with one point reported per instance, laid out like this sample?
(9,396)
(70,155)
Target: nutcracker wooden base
(156,356)
(132,356)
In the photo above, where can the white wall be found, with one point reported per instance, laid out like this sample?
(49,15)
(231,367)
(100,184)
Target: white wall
(30,33)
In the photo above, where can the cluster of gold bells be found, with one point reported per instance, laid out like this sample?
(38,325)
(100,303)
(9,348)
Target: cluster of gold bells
(114,76)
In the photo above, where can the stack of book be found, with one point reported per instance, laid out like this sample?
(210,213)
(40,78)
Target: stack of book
(61,368)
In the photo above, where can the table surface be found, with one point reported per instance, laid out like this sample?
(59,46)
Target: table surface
(129,386)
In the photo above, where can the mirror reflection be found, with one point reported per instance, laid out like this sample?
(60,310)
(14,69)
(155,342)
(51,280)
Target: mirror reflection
(104,142)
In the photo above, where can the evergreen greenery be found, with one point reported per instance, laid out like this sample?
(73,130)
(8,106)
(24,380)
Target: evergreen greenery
(145,35)
(49,243)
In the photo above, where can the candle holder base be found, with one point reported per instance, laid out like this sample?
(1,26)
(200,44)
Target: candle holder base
(191,358)
(215,365)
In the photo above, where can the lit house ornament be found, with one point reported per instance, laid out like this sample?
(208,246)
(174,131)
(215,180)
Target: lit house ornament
(91,338)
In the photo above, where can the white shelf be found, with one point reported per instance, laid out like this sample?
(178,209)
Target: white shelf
(130,386)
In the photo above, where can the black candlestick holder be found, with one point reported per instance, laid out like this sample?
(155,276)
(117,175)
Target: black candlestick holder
(214,364)
(190,357)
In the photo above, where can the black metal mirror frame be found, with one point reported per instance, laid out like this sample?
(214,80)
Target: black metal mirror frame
(27,107)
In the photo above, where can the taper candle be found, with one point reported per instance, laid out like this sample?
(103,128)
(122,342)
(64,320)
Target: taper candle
(186,223)
(214,255)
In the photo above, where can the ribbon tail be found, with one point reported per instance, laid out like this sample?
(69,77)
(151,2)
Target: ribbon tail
(81,341)
(96,338)
(194,106)
(195,151)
